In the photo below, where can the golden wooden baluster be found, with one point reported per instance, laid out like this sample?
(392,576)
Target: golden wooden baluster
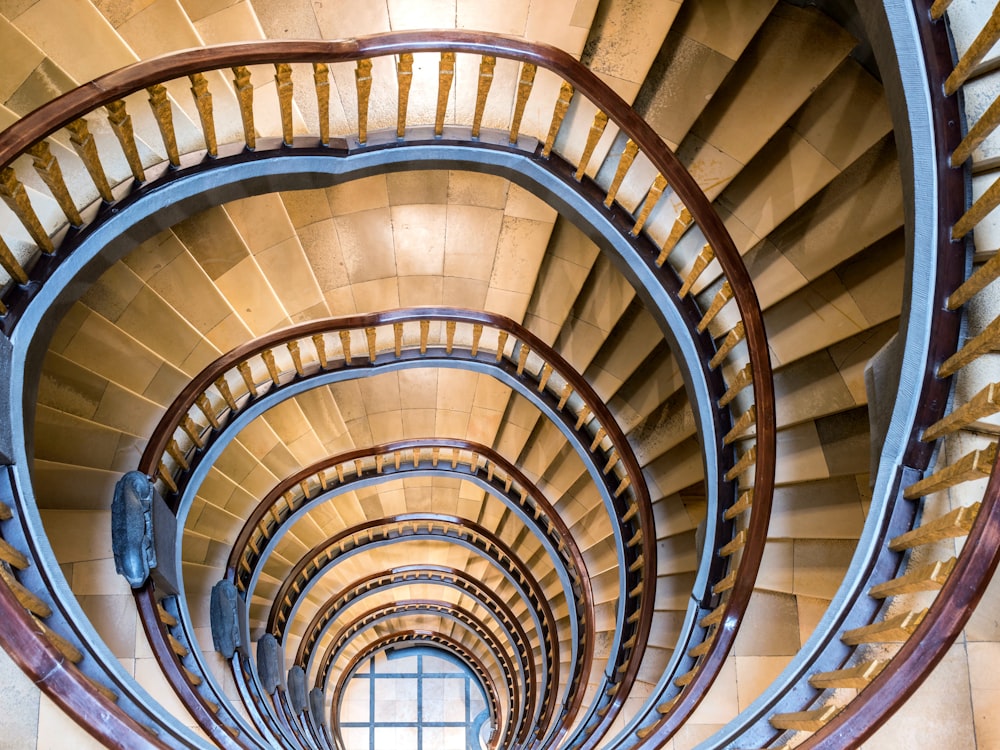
(748,418)
(977,281)
(954,524)
(623,485)
(983,43)
(272,369)
(446,74)
(558,115)
(485,81)
(744,503)
(296,355)
(449,336)
(652,197)
(320,344)
(624,163)
(725,584)
(164,473)
(321,80)
(742,379)
(121,124)
(706,256)
(404,77)
(16,197)
(974,465)
(583,417)
(48,169)
(681,224)
(24,596)
(734,337)
(247,374)
(159,103)
(192,430)
(425,327)
(524,85)
(723,296)
(3,308)
(86,148)
(244,95)
(928,577)
(598,437)
(203,101)
(986,341)
(543,378)
(9,263)
(805,721)
(175,452)
(397,335)
(522,358)
(856,677)
(983,404)
(939,7)
(979,210)
(734,545)
(501,344)
(12,556)
(978,133)
(222,386)
(747,460)
(477,332)
(714,617)
(283,81)
(370,336)
(345,345)
(596,131)
(566,393)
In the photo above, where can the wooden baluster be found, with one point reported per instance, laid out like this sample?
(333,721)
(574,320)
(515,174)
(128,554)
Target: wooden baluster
(379,463)
(742,379)
(454,458)
(652,197)
(583,417)
(446,73)
(706,256)
(978,133)
(979,210)
(449,336)
(623,485)
(345,345)
(982,44)
(370,336)
(121,124)
(596,131)
(744,503)
(723,296)
(296,355)
(320,344)
(425,327)
(977,281)
(164,473)
(501,344)
(598,437)
(416,458)
(566,393)
(954,524)
(939,7)
(485,81)
(987,341)
(681,224)
(928,577)
(522,358)
(734,545)
(247,374)
(48,169)
(404,77)
(86,148)
(624,163)
(63,646)
(321,82)
(805,721)
(562,106)
(713,618)
(244,95)
(543,378)
(857,677)
(192,430)
(524,85)
(16,197)
(747,460)
(983,404)
(175,452)
(435,456)
(734,337)
(748,418)
(974,465)
(610,463)
(222,386)
(12,556)
(10,264)
(477,332)
(159,103)
(283,82)
(203,101)
(272,369)
(363,81)
(725,584)
(397,335)
(24,596)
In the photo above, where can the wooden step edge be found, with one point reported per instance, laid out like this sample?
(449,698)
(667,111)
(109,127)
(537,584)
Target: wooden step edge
(805,721)
(856,677)
(928,577)
(894,630)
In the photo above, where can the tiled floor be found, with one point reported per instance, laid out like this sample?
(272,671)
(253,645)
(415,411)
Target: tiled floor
(416,701)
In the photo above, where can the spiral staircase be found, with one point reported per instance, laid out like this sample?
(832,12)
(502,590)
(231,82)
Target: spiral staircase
(635,355)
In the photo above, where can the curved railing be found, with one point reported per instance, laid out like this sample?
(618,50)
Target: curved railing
(30,265)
